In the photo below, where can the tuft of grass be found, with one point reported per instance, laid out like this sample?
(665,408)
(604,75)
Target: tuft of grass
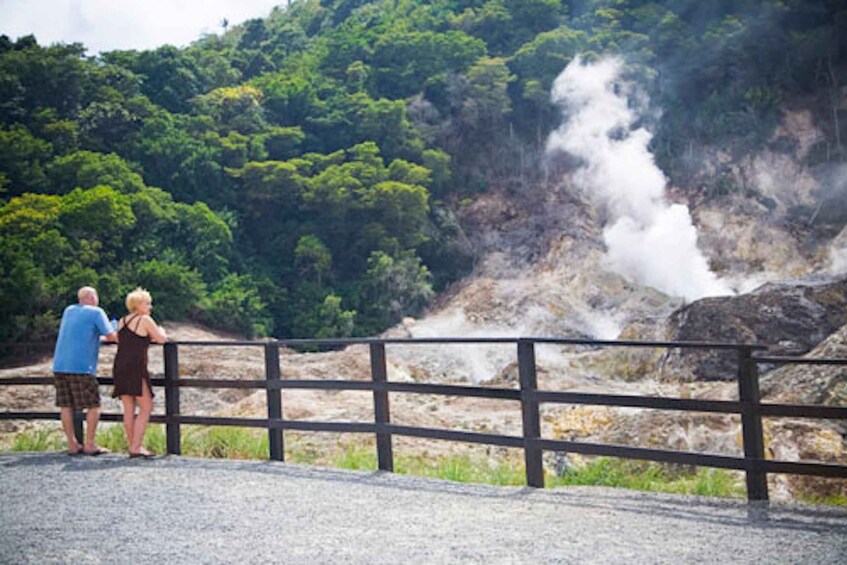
(458,469)
(648,476)
(832,500)
(507,475)
(154,439)
(462,469)
(39,439)
(717,482)
(112,437)
(356,457)
(226,443)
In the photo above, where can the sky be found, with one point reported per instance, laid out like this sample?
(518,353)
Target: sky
(105,25)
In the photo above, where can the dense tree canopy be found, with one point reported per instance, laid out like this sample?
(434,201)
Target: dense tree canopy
(296,175)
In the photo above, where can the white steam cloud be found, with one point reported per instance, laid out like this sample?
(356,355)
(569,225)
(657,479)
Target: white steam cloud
(649,240)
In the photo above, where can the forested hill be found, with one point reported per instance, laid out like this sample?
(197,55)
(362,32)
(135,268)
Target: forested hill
(295,175)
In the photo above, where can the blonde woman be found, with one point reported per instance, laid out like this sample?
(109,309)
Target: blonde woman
(132,382)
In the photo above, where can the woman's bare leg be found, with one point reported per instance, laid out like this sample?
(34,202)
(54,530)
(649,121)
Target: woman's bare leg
(129,418)
(145,407)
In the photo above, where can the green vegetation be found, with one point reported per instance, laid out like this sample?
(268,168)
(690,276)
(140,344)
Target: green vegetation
(834,500)
(39,439)
(458,468)
(641,475)
(296,175)
(243,443)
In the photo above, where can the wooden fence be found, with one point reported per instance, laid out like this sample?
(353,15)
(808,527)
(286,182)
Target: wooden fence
(749,406)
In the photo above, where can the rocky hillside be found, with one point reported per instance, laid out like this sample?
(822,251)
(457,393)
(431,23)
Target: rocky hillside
(541,270)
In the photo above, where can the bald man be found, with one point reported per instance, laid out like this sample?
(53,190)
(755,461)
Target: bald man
(75,367)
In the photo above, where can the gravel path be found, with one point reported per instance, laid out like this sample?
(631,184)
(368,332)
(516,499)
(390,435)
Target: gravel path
(109,509)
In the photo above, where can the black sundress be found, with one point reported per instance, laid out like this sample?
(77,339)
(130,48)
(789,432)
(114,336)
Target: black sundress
(130,367)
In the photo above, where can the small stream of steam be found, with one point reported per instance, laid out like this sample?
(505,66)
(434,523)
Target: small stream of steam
(649,240)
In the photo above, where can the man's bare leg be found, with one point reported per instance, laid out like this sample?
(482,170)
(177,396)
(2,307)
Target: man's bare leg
(91,420)
(68,428)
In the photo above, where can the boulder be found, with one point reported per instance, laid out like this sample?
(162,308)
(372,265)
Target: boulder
(789,318)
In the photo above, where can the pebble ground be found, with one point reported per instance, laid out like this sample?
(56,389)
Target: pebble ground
(60,509)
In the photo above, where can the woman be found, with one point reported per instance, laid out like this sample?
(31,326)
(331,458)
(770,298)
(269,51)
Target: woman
(132,382)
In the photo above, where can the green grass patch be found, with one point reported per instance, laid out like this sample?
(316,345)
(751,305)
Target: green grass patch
(458,468)
(196,441)
(832,500)
(39,439)
(356,457)
(649,476)
(112,437)
(462,469)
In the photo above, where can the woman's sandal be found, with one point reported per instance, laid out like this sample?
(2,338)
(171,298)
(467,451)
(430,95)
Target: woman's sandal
(142,454)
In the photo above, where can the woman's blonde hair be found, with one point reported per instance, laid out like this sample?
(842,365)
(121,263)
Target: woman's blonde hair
(136,297)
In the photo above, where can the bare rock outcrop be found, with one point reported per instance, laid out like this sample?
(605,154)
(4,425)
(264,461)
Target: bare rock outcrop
(812,384)
(790,318)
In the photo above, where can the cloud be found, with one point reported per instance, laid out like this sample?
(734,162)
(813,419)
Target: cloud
(104,25)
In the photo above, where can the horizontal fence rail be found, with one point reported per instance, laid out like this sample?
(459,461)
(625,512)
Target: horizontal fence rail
(748,406)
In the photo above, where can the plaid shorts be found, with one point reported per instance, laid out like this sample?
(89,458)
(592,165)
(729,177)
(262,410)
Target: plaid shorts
(76,391)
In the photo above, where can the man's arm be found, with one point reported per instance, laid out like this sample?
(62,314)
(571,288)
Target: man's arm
(110,338)
(104,326)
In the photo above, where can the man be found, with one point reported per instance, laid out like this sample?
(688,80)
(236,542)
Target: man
(75,367)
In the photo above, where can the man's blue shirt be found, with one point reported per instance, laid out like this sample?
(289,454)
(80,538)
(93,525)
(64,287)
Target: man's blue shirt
(79,339)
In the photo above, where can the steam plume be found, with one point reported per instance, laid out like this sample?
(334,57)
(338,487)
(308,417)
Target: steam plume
(649,240)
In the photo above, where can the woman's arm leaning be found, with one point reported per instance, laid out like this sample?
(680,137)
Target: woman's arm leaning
(154,331)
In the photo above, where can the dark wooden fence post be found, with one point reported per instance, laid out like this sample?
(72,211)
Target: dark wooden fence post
(79,432)
(275,438)
(529,411)
(172,435)
(382,416)
(751,425)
